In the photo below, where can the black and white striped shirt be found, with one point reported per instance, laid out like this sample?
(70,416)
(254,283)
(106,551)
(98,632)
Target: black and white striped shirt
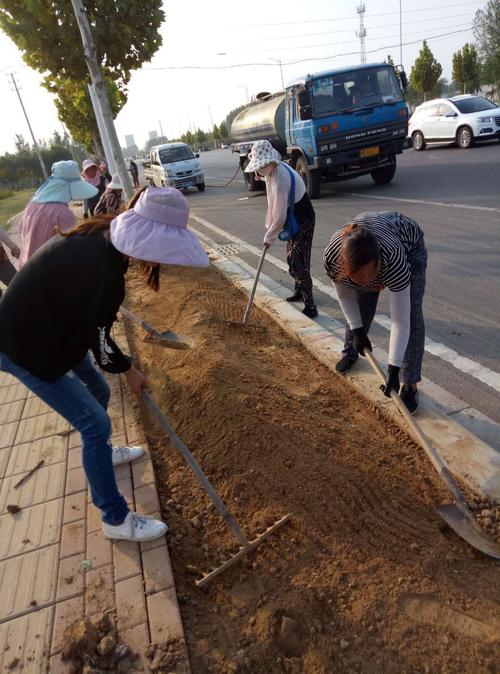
(396,235)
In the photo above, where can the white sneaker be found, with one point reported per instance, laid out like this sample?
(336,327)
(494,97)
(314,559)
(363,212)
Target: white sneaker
(126,454)
(135,528)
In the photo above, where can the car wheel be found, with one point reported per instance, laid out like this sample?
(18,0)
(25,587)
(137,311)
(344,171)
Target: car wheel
(418,141)
(465,137)
(201,187)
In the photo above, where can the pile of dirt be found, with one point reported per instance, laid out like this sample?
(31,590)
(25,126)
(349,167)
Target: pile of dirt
(365,577)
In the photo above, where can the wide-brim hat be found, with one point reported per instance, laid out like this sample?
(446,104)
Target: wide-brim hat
(64,185)
(262,154)
(88,163)
(115,183)
(155,230)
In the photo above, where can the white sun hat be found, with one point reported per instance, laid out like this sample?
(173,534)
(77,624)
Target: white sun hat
(115,183)
(262,154)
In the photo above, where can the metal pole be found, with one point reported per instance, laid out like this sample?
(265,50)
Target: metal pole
(400,34)
(102,96)
(40,158)
(281,72)
(212,125)
(161,130)
(102,129)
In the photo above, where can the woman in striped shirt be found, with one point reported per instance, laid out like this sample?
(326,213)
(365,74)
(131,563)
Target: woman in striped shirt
(373,252)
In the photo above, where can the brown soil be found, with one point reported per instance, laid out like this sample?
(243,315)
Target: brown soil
(365,577)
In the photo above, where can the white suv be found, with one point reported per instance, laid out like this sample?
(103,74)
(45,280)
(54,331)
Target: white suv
(461,119)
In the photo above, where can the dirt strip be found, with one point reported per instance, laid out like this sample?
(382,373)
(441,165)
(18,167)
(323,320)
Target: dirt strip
(366,577)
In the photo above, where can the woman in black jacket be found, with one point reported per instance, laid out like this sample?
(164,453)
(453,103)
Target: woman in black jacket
(63,303)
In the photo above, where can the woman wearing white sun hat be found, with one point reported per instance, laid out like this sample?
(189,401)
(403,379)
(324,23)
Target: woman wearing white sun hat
(111,201)
(64,302)
(287,199)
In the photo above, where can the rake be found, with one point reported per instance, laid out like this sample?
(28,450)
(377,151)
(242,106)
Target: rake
(244,323)
(169,339)
(245,545)
(457,515)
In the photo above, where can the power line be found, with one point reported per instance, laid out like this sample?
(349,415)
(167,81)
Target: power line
(307,60)
(350,18)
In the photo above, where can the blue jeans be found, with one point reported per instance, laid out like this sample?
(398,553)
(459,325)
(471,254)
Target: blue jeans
(81,396)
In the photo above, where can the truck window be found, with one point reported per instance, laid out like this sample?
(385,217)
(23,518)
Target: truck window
(173,154)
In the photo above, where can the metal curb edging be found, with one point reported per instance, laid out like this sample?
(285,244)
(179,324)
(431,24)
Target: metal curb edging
(467,456)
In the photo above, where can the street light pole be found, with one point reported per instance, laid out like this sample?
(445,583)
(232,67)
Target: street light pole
(400,34)
(37,149)
(281,71)
(102,96)
(212,125)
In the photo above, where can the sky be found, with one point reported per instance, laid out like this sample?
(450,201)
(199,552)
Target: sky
(225,33)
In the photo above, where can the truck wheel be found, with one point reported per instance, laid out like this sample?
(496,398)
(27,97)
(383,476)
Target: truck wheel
(384,174)
(310,177)
(252,184)
(201,187)
(418,141)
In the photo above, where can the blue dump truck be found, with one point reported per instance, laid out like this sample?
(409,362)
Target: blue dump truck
(331,126)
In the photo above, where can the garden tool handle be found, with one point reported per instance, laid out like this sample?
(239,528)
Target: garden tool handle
(144,325)
(436,460)
(257,274)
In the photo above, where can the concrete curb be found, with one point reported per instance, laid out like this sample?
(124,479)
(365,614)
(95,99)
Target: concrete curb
(467,456)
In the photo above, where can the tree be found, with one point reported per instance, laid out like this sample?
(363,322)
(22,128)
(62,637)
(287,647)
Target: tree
(216,133)
(466,69)
(200,136)
(126,34)
(425,72)
(223,131)
(487,34)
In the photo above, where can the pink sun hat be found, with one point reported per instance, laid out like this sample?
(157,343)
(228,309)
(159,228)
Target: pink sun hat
(155,230)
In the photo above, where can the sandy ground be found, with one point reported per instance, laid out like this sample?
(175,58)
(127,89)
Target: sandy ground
(365,577)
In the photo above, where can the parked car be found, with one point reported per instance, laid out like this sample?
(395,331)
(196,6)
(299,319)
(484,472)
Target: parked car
(463,120)
(174,165)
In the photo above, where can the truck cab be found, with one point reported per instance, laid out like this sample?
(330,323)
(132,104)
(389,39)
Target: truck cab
(174,165)
(345,123)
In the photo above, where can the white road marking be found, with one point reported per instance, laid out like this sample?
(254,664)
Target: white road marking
(426,203)
(461,363)
(242,199)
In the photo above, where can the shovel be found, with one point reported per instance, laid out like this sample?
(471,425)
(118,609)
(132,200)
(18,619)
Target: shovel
(245,545)
(168,338)
(457,515)
(252,294)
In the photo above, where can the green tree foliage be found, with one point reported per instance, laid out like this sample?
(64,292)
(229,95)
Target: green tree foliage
(466,69)
(200,137)
(21,169)
(224,134)
(216,133)
(487,34)
(126,34)
(425,72)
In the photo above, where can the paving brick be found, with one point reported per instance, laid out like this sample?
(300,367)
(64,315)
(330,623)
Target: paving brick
(135,434)
(74,507)
(74,458)
(73,539)
(130,606)
(4,460)
(11,411)
(26,579)
(158,542)
(66,612)
(7,379)
(146,499)
(59,666)
(74,439)
(125,486)
(46,484)
(143,473)
(30,529)
(25,456)
(94,522)
(127,560)
(164,616)
(98,549)
(41,427)
(34,407)
(26,638)
(13,392)
(158,572)
(123,472)
(8,434)
(99,595)
(75,480)
(137,639)
(70,579)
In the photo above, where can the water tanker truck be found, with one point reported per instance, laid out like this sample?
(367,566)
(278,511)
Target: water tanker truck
(331,126)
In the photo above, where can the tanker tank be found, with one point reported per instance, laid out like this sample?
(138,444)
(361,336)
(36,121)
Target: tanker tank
(264,119)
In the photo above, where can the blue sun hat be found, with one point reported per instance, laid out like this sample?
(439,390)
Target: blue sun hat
(64,185)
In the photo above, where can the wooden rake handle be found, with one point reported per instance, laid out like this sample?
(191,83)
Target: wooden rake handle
(434,457)
(257,275)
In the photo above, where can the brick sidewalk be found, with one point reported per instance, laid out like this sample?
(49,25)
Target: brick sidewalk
(55,564)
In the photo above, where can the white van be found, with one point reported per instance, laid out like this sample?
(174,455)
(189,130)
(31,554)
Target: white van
(174,165)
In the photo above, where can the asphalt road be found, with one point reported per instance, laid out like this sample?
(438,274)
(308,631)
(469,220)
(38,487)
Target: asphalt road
(454,195)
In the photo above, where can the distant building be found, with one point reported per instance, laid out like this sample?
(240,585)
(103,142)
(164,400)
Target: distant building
(153,135)
(129,141)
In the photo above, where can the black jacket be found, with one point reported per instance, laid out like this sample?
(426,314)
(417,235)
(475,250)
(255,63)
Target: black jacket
(62,303)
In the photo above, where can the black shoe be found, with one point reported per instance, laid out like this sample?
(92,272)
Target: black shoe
(311,312)
(345,363)
(296,297)
(410,398)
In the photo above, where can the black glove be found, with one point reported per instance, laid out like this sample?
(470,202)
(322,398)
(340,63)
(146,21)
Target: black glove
(360,341)
(85,216)
(392,381)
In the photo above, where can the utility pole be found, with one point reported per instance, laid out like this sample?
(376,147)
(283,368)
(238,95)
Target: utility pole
(212,125)
(161,130)
(361,9)
(39,154)
(102,130)
(400,34)
(281,72)
(102,96)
